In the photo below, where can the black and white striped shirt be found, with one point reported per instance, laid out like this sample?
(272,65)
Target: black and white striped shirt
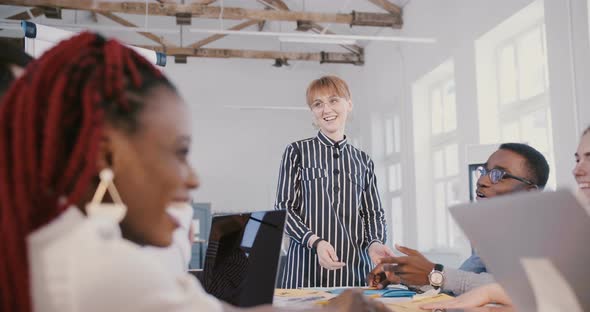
(329,189)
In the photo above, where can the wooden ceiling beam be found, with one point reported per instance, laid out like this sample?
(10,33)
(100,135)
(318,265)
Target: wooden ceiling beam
(275,4)
(240,26)
(322,57)
(203,2)
(317,28)
(25,15)
(216,37)
(204,11)
(388,6)
(124,22)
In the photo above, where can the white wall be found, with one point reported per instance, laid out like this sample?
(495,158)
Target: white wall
(237,152)
(569,73)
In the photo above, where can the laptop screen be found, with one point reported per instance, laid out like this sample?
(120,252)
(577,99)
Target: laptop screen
(242,257)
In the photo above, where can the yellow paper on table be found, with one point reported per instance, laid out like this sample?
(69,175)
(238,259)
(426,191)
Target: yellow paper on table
(298,292)
(414,305)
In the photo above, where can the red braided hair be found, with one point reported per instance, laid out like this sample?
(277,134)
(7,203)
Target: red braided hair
(50,125)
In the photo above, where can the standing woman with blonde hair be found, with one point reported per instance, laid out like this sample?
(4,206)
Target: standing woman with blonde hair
(335,220)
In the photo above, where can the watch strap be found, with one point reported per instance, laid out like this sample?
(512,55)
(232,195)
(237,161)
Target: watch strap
(314,246)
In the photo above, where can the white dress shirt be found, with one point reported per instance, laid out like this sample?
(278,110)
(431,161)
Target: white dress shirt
(83,264)
(177,256)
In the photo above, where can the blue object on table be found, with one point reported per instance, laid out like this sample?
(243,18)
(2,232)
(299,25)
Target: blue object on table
(398,293)
(385,293)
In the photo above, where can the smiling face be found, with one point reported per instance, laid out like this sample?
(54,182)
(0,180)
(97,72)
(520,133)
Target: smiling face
(512,163)
(330,113)
(151,167)
(330,103)
(582,169)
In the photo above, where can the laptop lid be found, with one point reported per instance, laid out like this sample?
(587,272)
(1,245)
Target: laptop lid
(535,245)
(242,257)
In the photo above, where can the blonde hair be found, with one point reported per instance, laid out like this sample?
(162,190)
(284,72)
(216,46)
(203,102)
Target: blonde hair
(327,84)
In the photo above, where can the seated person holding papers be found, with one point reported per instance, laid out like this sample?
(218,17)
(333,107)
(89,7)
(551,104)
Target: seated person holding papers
(493,293)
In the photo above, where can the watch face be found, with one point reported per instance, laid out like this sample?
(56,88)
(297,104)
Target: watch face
(436,278)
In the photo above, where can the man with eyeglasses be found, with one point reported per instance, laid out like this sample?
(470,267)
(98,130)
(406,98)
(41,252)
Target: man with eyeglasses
(514,167)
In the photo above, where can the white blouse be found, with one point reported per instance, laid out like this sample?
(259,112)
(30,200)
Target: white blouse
(83,264)
(177,256)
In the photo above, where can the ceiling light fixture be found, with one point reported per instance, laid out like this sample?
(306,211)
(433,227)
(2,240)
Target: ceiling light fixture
(299,35)
(302,39)
(317,36)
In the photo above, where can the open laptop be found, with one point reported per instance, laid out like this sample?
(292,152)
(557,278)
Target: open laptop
(536,246)
(242,257)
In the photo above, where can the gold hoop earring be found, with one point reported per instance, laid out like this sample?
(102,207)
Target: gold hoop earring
(115,211)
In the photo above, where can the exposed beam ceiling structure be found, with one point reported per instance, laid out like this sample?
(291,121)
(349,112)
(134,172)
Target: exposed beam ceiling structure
(185,10)
(197,10)
(124,22)
(388,6)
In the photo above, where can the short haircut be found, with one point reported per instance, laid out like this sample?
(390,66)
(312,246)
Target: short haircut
(327,84)
(535,161)
(10,55)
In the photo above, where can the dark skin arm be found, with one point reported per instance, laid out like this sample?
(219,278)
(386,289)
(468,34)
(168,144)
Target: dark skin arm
(349,301)
(411,269)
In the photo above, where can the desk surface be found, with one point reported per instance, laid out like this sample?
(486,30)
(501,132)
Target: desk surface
(309,297)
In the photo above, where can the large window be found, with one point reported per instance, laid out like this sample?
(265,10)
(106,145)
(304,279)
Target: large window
(445,159)
(443,108)
(513,83)
(437,159)
(446,184)
(524,114)
(386,153)
(392,128)
(522,66)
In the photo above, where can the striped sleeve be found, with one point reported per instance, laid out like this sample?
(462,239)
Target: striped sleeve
(289,195)
(372,211)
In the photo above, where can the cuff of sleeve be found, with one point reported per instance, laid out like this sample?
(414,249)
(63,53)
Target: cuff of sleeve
(374,241)
(212,248)
(305,239)
(453,282)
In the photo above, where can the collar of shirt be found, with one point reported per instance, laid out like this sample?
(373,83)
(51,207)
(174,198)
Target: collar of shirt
(58,227)
(324,139)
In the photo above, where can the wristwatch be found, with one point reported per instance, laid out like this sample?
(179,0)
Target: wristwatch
(437,276)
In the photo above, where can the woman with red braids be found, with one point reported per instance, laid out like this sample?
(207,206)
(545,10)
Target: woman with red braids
(89,118)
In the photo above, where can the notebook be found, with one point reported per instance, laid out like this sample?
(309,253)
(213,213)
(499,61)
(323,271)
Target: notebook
(536,246)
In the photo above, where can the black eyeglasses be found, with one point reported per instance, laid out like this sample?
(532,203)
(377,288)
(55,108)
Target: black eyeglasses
(497,174)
